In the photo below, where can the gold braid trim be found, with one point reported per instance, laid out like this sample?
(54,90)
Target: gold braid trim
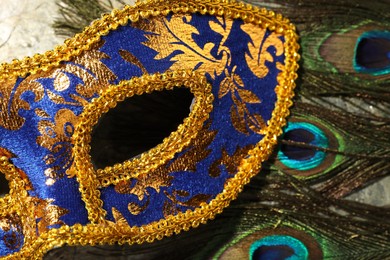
(105,232)
(143,10)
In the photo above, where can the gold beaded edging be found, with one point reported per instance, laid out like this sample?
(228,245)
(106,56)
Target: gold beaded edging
(142,10)
(109,232)
(89,179)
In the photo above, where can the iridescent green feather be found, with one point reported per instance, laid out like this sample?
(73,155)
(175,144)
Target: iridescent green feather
(358,152)
(329,31)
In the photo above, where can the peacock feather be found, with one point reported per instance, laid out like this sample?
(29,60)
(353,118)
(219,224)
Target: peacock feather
(336,143)
(335,151)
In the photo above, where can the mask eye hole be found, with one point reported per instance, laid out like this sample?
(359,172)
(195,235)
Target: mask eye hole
(138,124)
(199,88)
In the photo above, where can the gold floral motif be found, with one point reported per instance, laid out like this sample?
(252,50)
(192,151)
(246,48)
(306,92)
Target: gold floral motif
(129,57)
(41,113)
(28,216)
(11,101)
(259,49)
(230,161)
(56,137)
(171,208)
(88,67)
(12,222)
(61,81)
(136,209)
(195,152)
(120,220)
(46,214)
(173,37)
(242,119)
(155,180)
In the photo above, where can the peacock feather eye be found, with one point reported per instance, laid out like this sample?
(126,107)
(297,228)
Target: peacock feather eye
(278,247)
(303,158)
(372,53)
(304,148)
(282,243)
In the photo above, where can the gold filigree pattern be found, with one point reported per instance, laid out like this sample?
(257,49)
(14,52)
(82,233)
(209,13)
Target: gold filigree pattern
(175,36)
(242,119)
(11,102)
(259,49)
(127,56)
(156,180)
(136,209)
(92,72)
(229,161)
(46,214)
(27,216)
(175,199)
(195,152)
(56,137)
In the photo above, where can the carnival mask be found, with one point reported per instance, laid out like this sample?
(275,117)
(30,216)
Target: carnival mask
(239,62)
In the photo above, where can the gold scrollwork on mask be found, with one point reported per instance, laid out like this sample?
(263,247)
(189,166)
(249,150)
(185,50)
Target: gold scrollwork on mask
(174,37)
(259,49)
(56,137)
(242,119)
(11,101)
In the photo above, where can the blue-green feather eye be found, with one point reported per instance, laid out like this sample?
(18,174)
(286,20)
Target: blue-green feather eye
(278,247)
(305,145)
(302,158)
(372,53)
(282,243)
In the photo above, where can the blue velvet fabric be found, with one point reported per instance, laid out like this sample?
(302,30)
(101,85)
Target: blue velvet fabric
(30,156)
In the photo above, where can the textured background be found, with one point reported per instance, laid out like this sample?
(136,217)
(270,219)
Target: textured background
(25,28)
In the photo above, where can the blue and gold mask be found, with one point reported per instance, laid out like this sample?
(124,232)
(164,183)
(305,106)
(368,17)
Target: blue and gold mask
(239,62)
